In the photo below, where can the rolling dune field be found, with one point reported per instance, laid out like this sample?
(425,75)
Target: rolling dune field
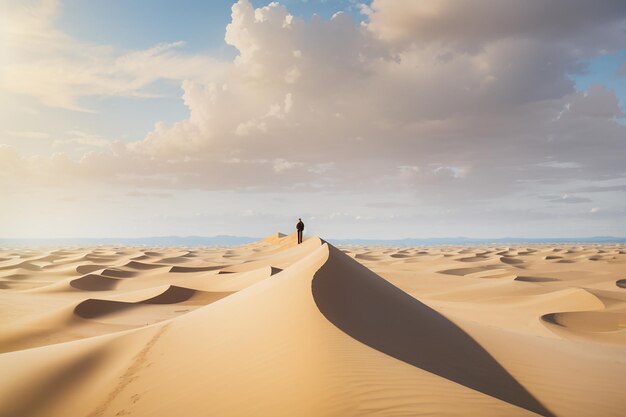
(274,328)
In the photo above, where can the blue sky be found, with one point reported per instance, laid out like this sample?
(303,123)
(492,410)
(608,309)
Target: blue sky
(605,69)
(134,24)
(139,24)
(200,24)
(419,119)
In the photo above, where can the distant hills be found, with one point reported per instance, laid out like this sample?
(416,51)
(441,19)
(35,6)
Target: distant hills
(475,241)
(221,240)
(225,240)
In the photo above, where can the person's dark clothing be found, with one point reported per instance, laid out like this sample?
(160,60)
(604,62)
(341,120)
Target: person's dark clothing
(300,228)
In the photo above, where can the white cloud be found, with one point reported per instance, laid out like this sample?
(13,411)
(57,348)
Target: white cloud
(280,165)
(26,134)
(43,62)
(467,103)
(570,199)
(560,165)
(77,140)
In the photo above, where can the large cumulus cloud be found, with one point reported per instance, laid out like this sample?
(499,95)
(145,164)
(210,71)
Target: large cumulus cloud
(448,99)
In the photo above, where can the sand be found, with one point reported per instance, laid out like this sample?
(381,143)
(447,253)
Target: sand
(279,329)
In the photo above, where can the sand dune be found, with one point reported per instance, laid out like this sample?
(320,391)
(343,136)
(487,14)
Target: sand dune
(93,282)
(89,268)
(588,321)
(279,329)
(382,316)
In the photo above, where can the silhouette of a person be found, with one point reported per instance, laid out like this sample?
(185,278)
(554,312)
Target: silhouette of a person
(300,229)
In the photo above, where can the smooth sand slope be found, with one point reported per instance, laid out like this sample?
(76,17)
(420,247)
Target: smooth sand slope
(279,329)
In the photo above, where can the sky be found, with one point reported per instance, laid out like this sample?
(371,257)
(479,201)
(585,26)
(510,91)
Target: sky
(382,119)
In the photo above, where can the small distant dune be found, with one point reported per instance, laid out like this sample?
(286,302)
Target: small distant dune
(25,265)
(511,261)
(93,282)
(118,273)
(476,258)
(94,308)
(174,260)
(173,294)
(589,321)
(142,266)
(89,268)
(275,238)
(468,271)
(141,258)
(399,255)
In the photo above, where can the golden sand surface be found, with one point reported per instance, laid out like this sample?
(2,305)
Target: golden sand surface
(279,329)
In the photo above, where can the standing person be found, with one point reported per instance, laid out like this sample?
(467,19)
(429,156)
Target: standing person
(300,229)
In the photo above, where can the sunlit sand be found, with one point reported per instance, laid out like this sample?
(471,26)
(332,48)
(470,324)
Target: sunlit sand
(279,329)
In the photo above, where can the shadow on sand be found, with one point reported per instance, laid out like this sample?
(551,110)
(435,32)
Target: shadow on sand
(378,314)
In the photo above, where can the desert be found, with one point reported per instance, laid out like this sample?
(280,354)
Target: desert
(274,328)
(449,176)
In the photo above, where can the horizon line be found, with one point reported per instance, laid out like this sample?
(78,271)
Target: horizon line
(232,240)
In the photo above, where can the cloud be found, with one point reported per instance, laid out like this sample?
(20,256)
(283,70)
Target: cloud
(58,70)
(469,103)
(603,189)
(281,165)
(569,199)
(596,102)
(471,24)
(81,139)
(141,194)
(27,134)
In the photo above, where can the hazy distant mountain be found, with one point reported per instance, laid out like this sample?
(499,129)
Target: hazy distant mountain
(221,240)
(225,240)
(474,241)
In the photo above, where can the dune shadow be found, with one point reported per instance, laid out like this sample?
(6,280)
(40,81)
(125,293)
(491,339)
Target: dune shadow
(142,266)
(93,282)
(380,315)
(186,269)
(523,278)
(172,295)
(117,273)
(89,268)
(518,263)
(469,270)
(51,385)
(94,307)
